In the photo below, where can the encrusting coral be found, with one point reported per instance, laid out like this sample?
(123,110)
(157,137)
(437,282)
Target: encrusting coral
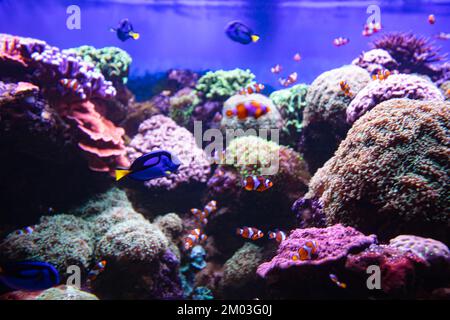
(324,117)
(390,175)
(375,60)
(395,86)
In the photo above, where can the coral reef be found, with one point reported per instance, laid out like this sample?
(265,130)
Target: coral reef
(98,137)
(413,54)
(396,86)
(106,228)
(333,245)
(212,90)
(432,251)
(445,89)
(291,102)
(162,133)
(248,156)
(324,119)
(61,240)
(239,274)
(400,272)
(112,62)
(271,120)
(182,105)
(375,60)
(389,175)
(50,66)
(220,85)
(61,292)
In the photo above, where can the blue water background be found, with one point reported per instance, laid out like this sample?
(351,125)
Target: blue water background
(190,34)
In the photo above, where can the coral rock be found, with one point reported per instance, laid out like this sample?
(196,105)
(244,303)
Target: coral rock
(396,86)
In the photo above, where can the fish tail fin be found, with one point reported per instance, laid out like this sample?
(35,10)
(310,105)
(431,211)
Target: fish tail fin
(255,37)
(121,173)
(135,35)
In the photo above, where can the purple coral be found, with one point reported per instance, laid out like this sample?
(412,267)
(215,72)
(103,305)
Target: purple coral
(333,244)
(431,250)
(309,213)
(162,133)
(375,60)
(413,54)
(55,68)
(396,86)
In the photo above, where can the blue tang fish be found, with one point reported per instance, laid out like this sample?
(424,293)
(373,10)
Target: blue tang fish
(150,166)
(29,275)
(125,31)
(239,32)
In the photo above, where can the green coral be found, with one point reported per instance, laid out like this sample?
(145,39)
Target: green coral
(291,102)
(182,105)
(61,240)
(112,62)
(220,85)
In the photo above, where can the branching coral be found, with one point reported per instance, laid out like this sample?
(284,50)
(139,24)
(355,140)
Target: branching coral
(220,85)
(396,86)
(50,67)
(390,175)
(112,62)
(291,102)
(324,119)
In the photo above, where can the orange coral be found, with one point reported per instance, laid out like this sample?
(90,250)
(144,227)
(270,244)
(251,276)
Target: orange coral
(100,139)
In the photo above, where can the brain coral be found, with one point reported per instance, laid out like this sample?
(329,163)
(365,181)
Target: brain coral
(162,133)
(375,60)
(396,86)
(271,120)
(324,119)
(291,102)
(391,173)
(220,85)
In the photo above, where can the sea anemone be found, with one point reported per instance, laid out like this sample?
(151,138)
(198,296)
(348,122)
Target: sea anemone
(413,54)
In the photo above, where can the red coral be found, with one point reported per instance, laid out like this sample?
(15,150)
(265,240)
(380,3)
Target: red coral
(99,138)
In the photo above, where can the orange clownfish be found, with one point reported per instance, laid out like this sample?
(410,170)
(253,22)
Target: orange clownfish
(291,79)
(346,88)
(371,28)
(98,268)
(276,69)
(277,235)
(254,183)
(254,88)
(194,237)
(340,41)
(381,75)
(247,109)
(72,84)
(249,233)
(431,19)
(306,252)
(297,57)
(334,278)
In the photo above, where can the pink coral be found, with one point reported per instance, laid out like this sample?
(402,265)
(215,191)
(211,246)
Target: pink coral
(98,137)
(396,86)
(398,269)
(162,133)
(333,244)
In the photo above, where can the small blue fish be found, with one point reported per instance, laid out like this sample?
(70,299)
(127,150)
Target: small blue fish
(29,275)
(125,31)
(150,166)
(239,32)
